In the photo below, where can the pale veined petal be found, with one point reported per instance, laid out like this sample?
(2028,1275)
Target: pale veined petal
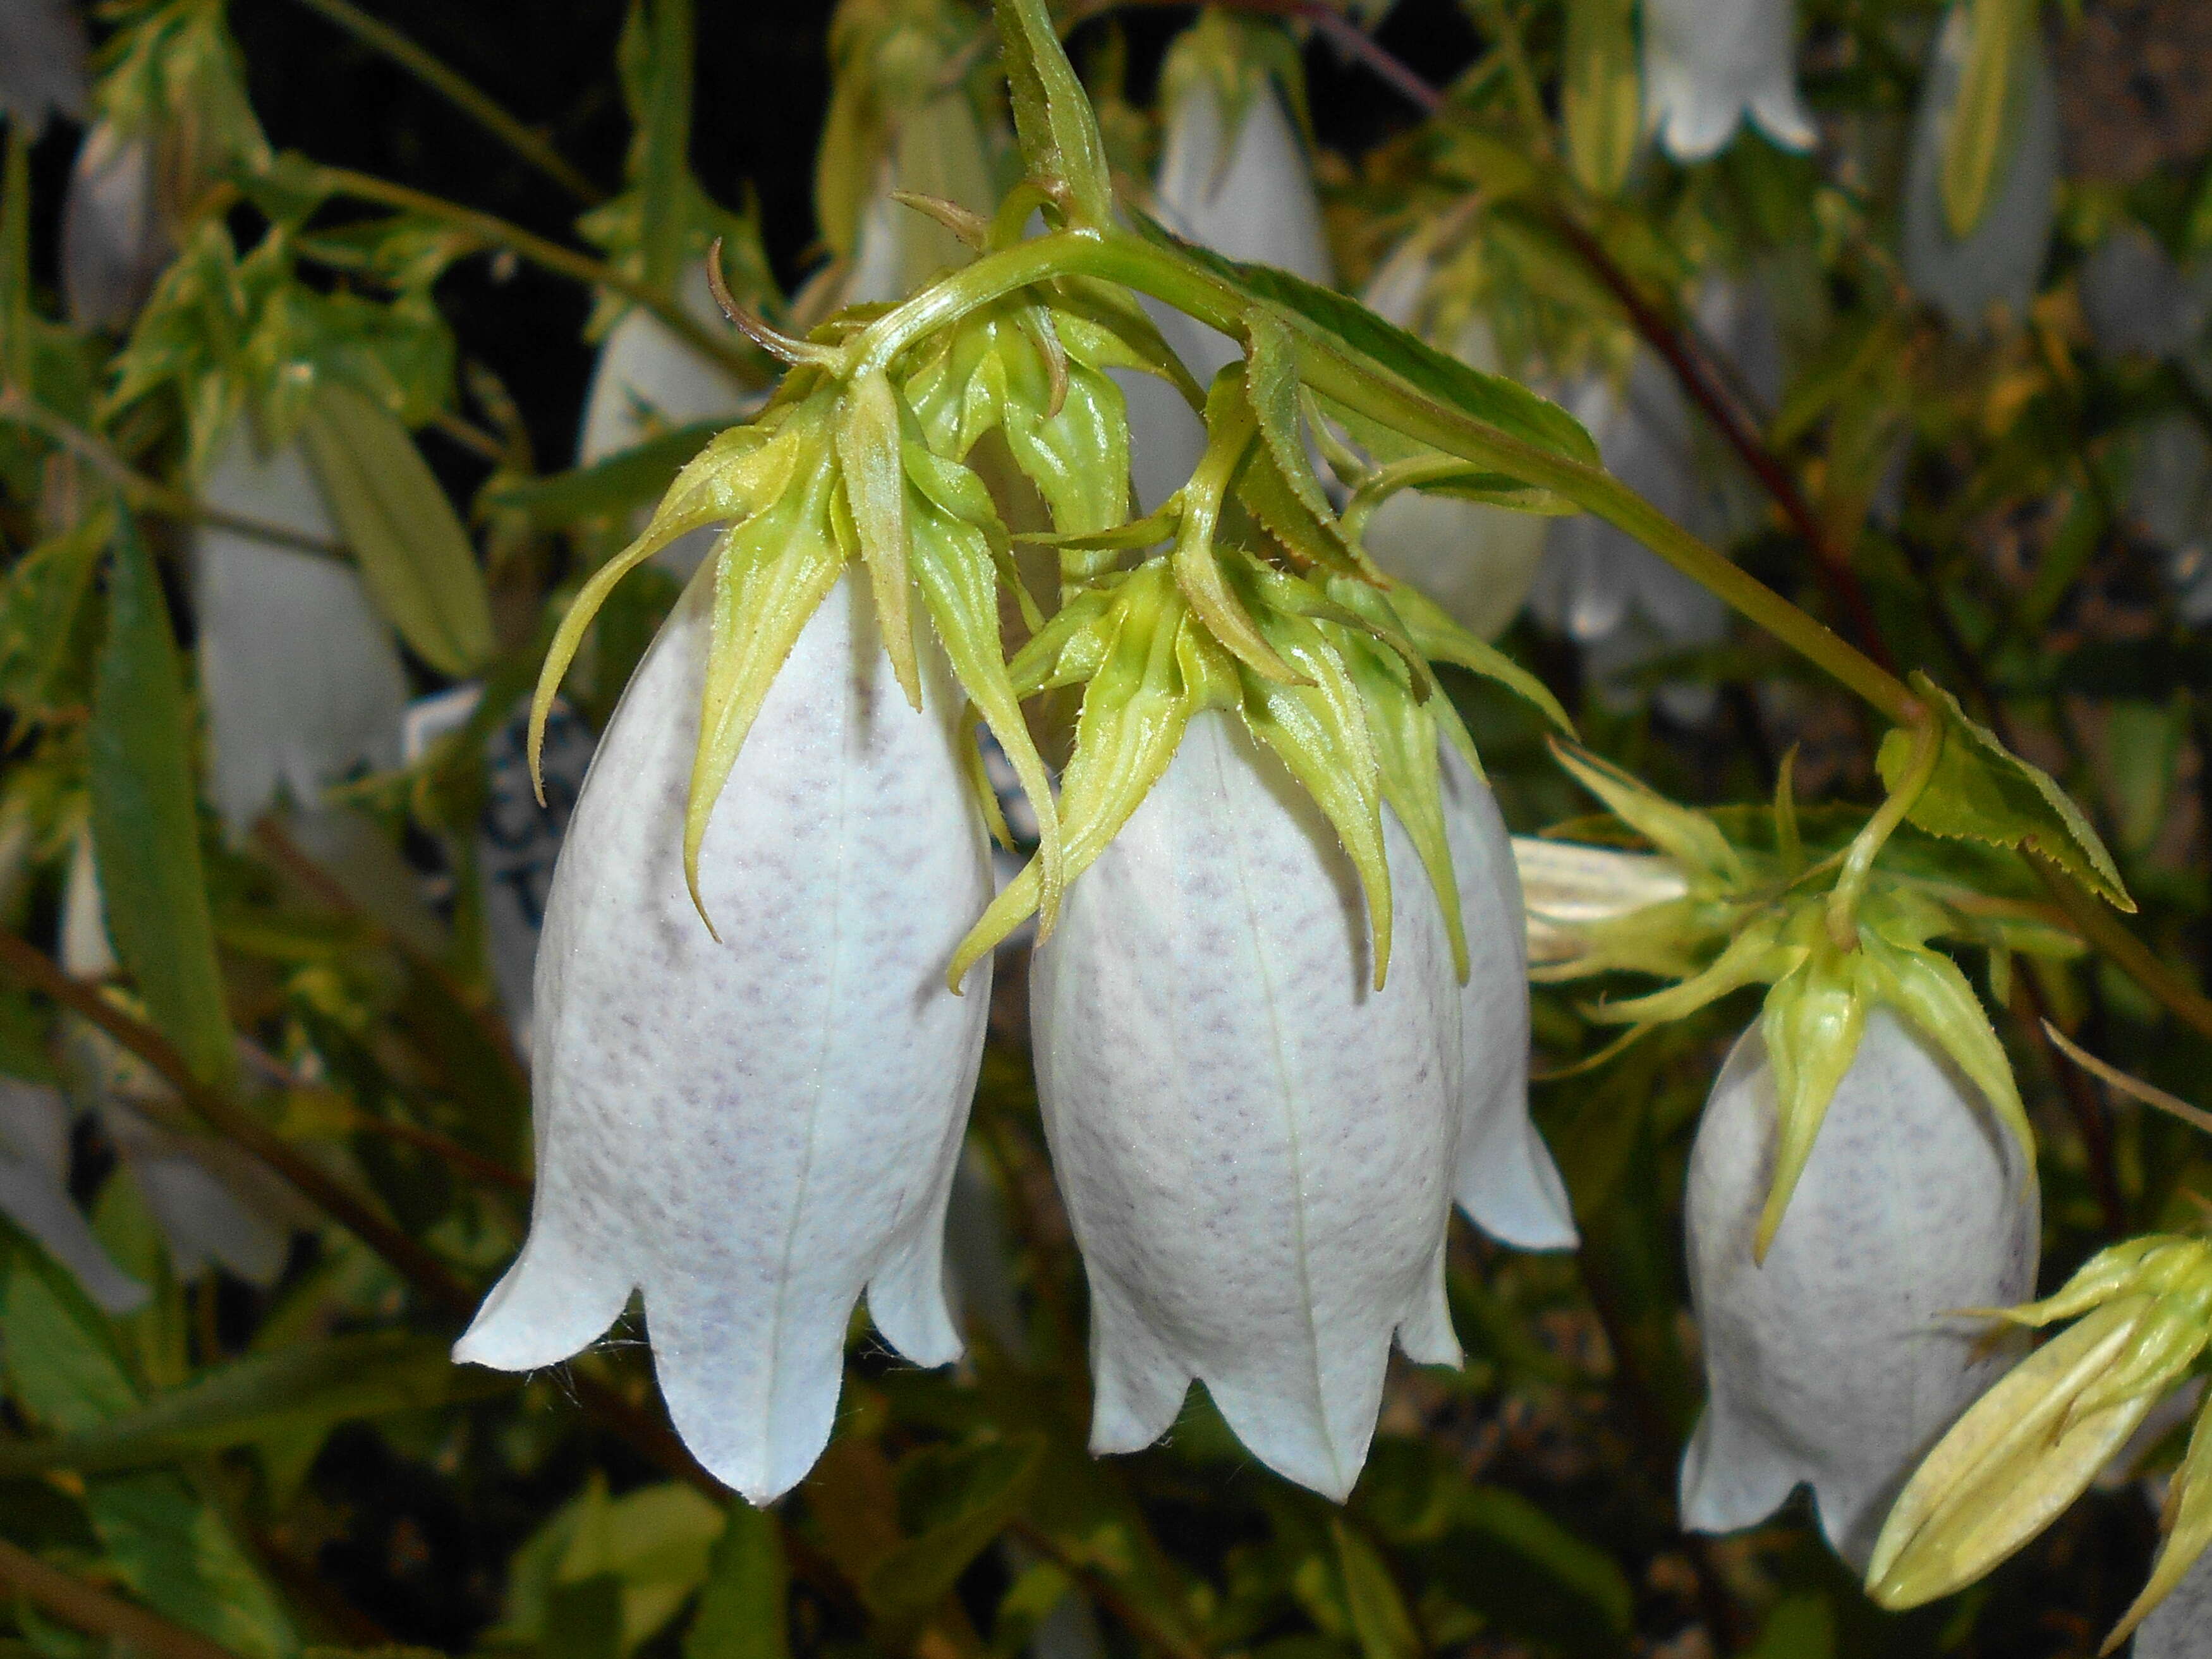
(302,677)
(649,380)
(752,1132)
(1256,1146)
(115,239)
(1507,1183)
(1838,1361)
(1709,64)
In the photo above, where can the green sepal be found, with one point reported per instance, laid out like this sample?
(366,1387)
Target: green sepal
(1812,1023)
(1438,636)
(870,454)
(1271,387)
(1981,791)
(1755,955)
(1134,708)
(1693,841)
(1197,563)
(955,532)
(771,573)
(1060,142)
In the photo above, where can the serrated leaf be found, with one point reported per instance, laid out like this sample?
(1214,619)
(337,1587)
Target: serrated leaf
(1271,385)
(1981,791)
(416,559)
(145,825)
(1060,143)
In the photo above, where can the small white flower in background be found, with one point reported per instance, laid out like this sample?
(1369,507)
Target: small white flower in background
(1838,1361)
(1474,560)
(1258,1149)
(2180,1627)
(34,1158)
(302,677)
(115,235)
(2170,497)
(1234,177)
(753,1174)
(2137,301)
(213,1204)
(1711,64)
(1567,887)
(1996,263)
(1617,600)
(649,380)
(42,52)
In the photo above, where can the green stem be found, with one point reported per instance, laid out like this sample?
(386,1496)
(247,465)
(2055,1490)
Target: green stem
(463,93)
(566,262)
(1866,846)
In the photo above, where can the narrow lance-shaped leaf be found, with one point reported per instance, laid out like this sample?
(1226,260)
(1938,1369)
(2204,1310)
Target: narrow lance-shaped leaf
(144,825)
(1053,117)
(414,556)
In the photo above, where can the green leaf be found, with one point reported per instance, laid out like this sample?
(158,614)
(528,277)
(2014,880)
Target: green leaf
(45,619)
(1379,1616)
(1981,791)
(584,1619)
(416,559)
(62,1364)
(918,1574)
(1986,112)
(611,488)
(145,825)
(308,1387)
(175,1553)
(742,1613)
(1603,93)
(1059,133)
(1506,1558)
(655,58)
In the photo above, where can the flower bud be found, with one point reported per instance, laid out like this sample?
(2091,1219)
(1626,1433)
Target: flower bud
(1838,1360)
(755,1128)
(2033,1443)
(1257,1146)
(1964,272)
(1711,63)
(303,679)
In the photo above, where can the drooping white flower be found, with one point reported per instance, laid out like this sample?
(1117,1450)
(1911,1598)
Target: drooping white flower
(1474,560)
(754,1131)
(650,379)
(2180,1627)
(213,1204)
(1620,601)
(1998,261)
(1243,188)
(42,52)
(1258,1149)
(115,235)
(302,679)
(1709,64)
(1837,1362)
(35,1131)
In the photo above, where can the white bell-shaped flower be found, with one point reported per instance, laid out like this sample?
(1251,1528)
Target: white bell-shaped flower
(42,52)
(2180,1627)
(2137,301)
(650,379)
(1840,1360)
(302,677)
(115,232)
(34,1155)
(1246,190)
(1473,560)
(1709,64)
(1258,1149)
(753,1130)
(214,1205)
(1997,262)
(2170,498)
